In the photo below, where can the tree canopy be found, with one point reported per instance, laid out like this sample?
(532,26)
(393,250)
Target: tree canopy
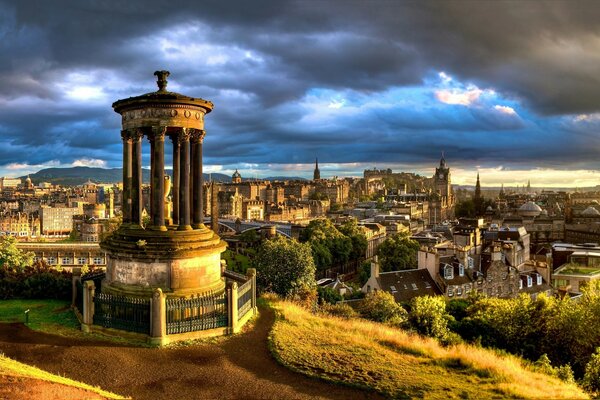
(11,256)
(285,266)
(332,246)
(398,252)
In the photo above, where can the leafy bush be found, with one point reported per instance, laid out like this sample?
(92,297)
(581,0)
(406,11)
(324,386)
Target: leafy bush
(341,310)
(428,317)
(328,295)
(38,281)
(380,306)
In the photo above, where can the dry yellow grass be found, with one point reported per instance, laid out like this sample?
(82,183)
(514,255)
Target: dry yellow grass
(11,367)
(402,365)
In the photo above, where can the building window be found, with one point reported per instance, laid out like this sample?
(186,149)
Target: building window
(450,291)
(470,262)
(98,260)
(539,279)
(461,270)
(459,291)
(66,261)
(51,260)
(448,272)
(529,281)
(520,284)
(81,260)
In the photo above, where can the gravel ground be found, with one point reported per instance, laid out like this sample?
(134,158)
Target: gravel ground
(238,367)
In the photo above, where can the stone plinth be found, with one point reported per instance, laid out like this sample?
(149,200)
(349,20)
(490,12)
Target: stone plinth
(179,262)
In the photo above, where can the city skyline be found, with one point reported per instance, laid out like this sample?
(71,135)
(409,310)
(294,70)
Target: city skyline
(508,90)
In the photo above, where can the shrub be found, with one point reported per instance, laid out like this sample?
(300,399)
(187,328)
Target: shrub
(380,306)
(341,310)
(428,317)
(38,281)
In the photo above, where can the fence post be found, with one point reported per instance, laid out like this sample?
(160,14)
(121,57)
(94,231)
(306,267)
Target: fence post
(76,277)
(158,318)
(89,290)
(251,274)
(232,295)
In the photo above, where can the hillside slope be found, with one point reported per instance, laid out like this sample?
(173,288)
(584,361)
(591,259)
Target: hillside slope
(18,380)
(402,365)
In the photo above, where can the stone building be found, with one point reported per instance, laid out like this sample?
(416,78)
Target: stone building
(20,225)
(58,221)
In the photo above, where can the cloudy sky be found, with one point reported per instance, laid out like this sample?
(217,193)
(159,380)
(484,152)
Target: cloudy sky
(509,88)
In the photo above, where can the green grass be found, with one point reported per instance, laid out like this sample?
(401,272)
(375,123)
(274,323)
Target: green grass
(399,364)
(14,368)
(55,317)
(579,270)
(51,316)
(229,257)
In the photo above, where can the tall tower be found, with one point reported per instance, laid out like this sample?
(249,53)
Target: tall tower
(442,182)
(477,188)
(236,177)
(316,173)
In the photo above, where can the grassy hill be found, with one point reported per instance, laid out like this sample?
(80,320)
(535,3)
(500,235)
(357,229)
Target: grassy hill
(31,375)
(398,364)
(74,176)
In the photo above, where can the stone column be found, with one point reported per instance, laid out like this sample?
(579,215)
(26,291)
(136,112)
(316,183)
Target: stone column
(196,139)
(136,180)
(89,290)
(251,274)
(184,180)
(157,139)
(176,174)
(126,194)
(232,295)
(158,328)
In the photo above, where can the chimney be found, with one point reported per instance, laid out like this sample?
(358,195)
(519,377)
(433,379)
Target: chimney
(375,267)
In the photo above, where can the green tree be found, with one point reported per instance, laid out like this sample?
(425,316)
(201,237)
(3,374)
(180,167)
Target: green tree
(428,316)
(11,256)
(591,378)
(285,267)
(329,245)
(398,252)
(357,237)
(381,306)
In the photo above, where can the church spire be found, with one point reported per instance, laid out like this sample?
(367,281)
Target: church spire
(442,161)
(316,173)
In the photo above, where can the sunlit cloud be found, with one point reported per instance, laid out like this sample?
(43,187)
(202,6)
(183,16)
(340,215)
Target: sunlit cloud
(89,162)
(505,110)
(458,96)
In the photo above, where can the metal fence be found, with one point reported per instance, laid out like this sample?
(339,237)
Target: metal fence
(120,312)
(244,298)
(197,313)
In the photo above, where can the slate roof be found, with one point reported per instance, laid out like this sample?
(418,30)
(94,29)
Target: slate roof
(404,285)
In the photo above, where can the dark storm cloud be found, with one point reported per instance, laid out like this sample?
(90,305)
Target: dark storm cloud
(259,61)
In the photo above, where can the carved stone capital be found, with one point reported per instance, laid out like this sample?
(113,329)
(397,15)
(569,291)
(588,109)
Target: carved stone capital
(157,133)
(126,135)
(136,134)
(197,135)
(184,135)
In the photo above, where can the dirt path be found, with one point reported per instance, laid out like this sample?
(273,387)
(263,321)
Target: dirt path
(240,367)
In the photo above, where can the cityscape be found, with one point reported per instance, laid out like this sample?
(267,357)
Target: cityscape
(299,199)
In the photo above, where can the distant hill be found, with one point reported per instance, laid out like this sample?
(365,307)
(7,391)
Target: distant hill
(79,175)
(74,176)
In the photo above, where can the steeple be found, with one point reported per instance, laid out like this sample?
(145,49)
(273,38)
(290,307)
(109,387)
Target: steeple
(477,188)
(442,161)
(528,186)
(316,173)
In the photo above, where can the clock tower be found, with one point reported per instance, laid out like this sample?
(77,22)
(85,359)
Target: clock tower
(441,180)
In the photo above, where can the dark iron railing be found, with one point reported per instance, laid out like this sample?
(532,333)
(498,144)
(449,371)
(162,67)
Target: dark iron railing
(120,312)
(197,313)
(244,298)
(79,296)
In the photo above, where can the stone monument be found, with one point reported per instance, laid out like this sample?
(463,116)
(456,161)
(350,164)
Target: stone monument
(175,253)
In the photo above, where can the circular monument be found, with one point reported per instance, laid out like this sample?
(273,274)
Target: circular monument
(175,252)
